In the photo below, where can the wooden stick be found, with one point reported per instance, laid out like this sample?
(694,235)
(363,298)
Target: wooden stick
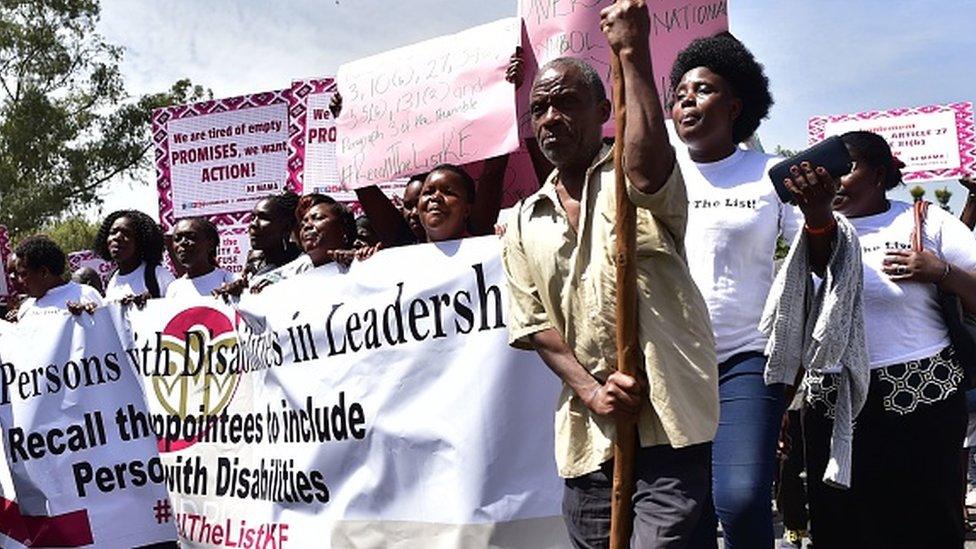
(625,227)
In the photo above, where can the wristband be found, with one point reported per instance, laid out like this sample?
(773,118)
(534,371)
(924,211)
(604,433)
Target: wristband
(820,230)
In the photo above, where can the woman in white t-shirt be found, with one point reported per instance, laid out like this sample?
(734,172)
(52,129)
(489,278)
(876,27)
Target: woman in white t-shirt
(195,242)
(134,242)
(906,484)
(39,271)
(735,220)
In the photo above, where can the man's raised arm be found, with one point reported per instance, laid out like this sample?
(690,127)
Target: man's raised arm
(648,156)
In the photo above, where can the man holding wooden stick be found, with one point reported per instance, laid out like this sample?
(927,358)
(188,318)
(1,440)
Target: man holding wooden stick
(559,257)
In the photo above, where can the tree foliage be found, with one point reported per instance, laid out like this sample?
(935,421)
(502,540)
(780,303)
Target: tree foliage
(74,233)
(67,125)
(942,196)
(917,192)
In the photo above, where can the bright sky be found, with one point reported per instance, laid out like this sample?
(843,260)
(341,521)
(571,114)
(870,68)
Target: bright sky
(822,56)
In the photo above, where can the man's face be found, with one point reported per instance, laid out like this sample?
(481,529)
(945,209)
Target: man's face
(566,117)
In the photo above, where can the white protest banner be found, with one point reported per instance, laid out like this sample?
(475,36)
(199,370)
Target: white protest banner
(935,141)
(362,408)
(220,157)
(82,473)
(444,100)
(572,29)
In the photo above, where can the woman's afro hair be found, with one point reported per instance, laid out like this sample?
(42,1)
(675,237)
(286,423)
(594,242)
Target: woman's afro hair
(724,55)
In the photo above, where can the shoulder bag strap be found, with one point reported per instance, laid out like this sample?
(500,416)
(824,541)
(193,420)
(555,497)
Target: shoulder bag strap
(921,209)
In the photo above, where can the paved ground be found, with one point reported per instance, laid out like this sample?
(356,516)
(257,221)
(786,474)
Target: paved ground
(778,526)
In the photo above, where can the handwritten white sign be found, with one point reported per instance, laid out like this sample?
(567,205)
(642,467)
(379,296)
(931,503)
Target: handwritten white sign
(444,100)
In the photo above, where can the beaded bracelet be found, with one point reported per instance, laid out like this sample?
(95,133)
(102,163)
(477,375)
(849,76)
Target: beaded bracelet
(820,230)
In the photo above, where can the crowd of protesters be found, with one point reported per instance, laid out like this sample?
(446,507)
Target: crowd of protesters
(840,365)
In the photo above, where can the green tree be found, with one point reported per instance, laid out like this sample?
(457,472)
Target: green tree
(784,152)
(73,233)
(67,125)
(942,196)
(917,192)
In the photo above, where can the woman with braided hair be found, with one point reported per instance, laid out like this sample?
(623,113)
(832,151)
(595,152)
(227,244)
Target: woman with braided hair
(134,242)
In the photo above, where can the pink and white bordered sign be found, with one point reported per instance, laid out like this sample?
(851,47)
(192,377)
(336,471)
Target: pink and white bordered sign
(312,137)
(218,158)
(4,254)
(88,258)
(935,141)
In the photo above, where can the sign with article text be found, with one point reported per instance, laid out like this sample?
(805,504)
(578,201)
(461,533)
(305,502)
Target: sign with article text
(444,100)
(935,141)
(312,137)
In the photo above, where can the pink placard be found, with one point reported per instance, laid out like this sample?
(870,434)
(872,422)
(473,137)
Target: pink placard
(88,258)
(520,179)
(935,141)
(218,158)
(557,28)
(312,136)
(6,281)
(444,100)
(235,243)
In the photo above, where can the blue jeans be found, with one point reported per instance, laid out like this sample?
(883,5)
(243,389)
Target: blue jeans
(744,451)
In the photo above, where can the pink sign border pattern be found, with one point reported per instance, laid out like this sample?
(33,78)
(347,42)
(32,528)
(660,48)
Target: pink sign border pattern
(965,131)
(164,115)
(298,124)
(4,254)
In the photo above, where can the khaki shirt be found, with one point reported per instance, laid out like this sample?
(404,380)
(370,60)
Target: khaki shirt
(564,280)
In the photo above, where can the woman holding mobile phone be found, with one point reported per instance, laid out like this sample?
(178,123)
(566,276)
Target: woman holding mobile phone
(735,221)
(905,472)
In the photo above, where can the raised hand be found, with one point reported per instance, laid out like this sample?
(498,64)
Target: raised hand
(515,73)
(626,24)
(335,104)
(969,182)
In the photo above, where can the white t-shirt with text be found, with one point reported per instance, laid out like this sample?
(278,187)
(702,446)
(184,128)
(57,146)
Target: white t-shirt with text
(734,220)
(58,298)
(903,320)
(202,285)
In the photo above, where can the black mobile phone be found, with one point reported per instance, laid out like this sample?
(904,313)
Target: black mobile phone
(831,154)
